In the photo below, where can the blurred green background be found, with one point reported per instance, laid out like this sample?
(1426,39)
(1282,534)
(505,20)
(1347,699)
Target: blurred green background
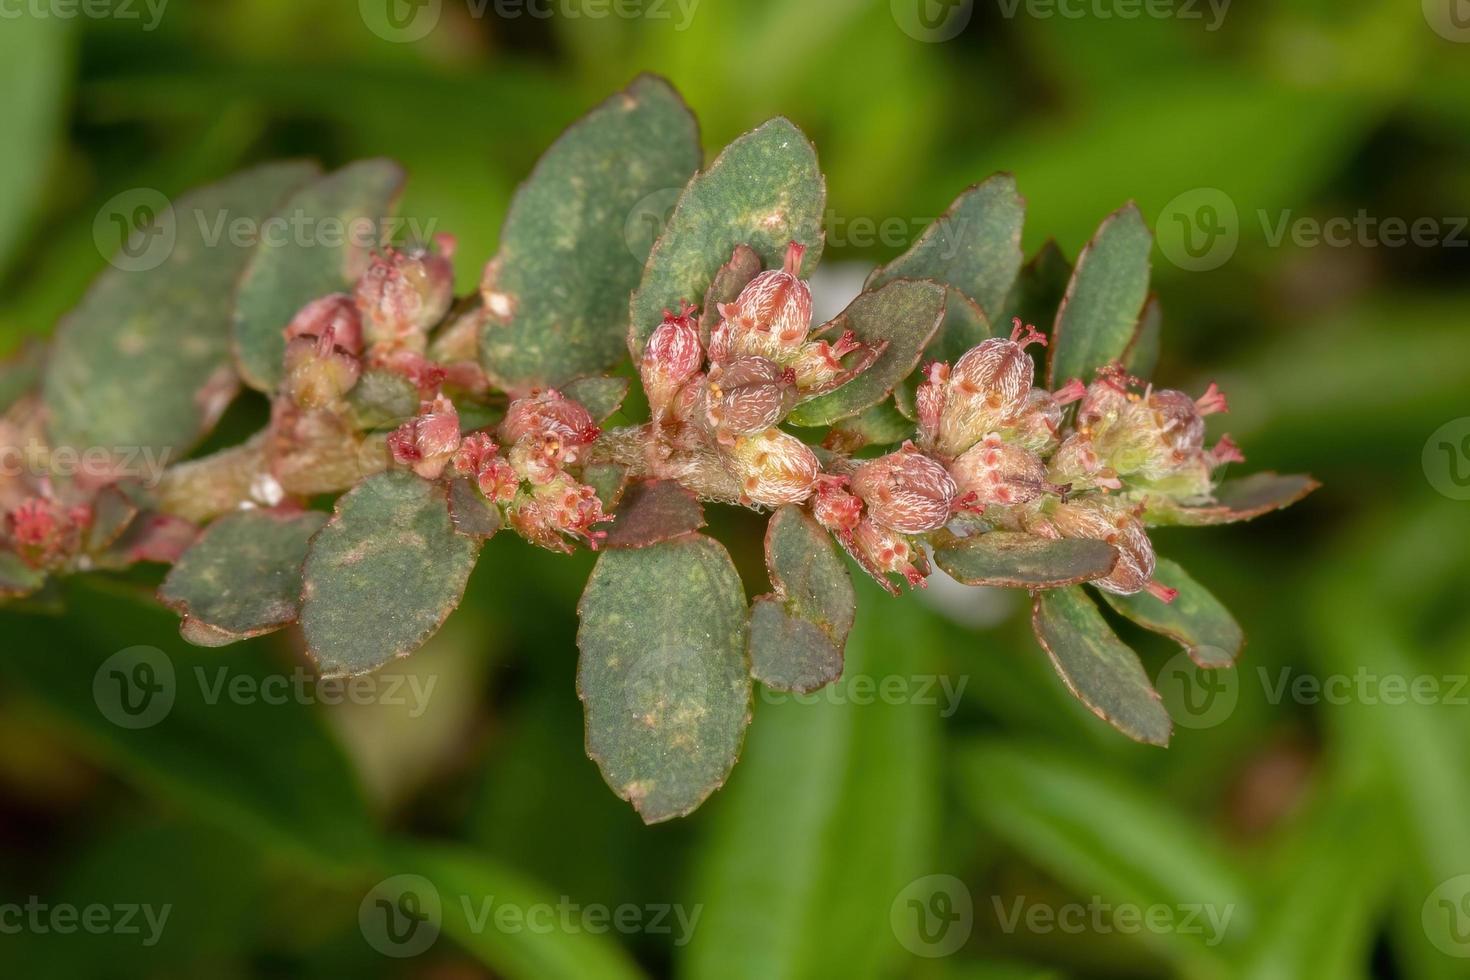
(1327,833)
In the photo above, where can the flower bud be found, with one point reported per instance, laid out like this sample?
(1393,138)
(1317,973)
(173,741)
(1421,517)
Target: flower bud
(747,394)
(549,413)
(402,294)
(819,369)
(335,313)
(478,458)
(1076,463)
(427,443)
(672,356)
(836,509)
(561,507)
(994,472)
(773,468)
(772,315)
(317,372)
(43,532)
(1135,568)
(881,550)
(905,490)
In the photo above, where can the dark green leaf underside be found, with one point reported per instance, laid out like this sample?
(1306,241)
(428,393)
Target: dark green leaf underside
(1235,500)
(1012,559)
(1097,667)
(1196,619)
(1100,313)
(652,511)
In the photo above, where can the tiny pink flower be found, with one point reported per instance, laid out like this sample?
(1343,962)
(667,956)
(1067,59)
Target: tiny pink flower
(773,468)
(672,357)
(905,490)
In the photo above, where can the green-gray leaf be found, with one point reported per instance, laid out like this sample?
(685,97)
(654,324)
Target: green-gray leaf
(1015,560)
(1235,500)
(242,578)
(1142,355)
(1100,312)
(383,574)
(904,314)
(974,246)
(662,674)
(556,292)
(1039,289)
(798,632)
(764,190)
(1097,667)
(334,222)
(162,329)
(1199,621)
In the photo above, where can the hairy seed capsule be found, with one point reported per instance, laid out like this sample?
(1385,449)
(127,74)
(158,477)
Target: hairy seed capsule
(772,315)
(747,394)
(987,386)
(773,468)
(672,357)
(1135,568)
(478,458)
(994,472)
(905,490)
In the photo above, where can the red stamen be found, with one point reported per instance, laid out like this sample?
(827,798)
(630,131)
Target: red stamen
(1212,401)
(1026,334)
(794,252)
(1161,592)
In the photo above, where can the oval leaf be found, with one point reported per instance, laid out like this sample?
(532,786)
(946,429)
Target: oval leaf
(729,281)
(663,674)
(162,329)
(1100,313)
(974,246)
(798,632)
(1015,560)
(1196,619)
(903,315)
(555,293)
(242,578)
(330,226)
(383,574)
(1097,667)
(1235,500)
(764,190)
(1038,290)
